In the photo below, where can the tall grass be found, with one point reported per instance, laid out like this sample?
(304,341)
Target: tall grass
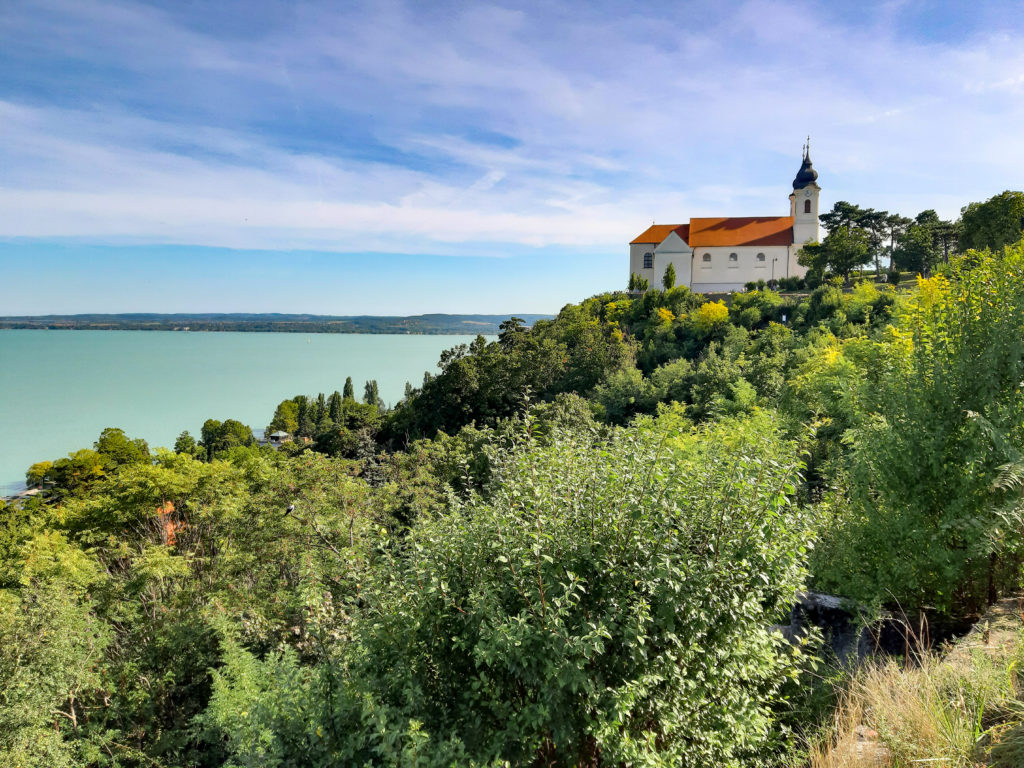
(964,710)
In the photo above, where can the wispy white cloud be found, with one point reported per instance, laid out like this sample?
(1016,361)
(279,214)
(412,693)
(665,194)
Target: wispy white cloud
(397,126)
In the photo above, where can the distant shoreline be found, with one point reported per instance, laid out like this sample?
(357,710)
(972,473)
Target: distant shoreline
(433,324)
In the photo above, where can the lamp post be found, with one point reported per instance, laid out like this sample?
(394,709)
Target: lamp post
(774,259)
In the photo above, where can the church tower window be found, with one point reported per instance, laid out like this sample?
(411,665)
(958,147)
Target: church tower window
(807,206)
(648,260)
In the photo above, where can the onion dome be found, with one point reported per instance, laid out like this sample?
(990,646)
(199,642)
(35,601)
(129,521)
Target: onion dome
(806,175)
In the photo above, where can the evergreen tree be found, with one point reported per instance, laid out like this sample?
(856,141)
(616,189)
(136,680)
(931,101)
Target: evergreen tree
(304,419)
(319,409)
(334,407)
(371,394)
(669,279)
(509,331)
(349,391)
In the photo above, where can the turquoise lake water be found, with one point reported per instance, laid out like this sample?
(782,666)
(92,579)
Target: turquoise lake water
(60,389)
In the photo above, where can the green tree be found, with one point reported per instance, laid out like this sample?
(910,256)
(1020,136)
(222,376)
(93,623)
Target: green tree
(509,331)
(895,226)
(305,425)
(668,280)
(318,410)
(51,646)
(875,224)
(915,250)
(997,222)
(349,392)
(923,521)
(117,449)
(371,394)
(602,604)
(334,407)
(38,473)
(222,436)
(185,444)
(638,283)
(842,251)
(843,215)
(78,471)
(286,418)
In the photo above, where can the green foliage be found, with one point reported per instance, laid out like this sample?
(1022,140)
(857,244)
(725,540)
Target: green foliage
(51,643)
(995,223)
(920,520)
(668,281)
(915,250)
(623,394)
(485,382)
(285,419)
(186,444)
(566,548)
(371,394)
(607,603)
(842,251)
(638,283)
(218,437)
(115,447)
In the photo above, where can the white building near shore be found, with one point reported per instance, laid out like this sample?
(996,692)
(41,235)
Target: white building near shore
(714,255)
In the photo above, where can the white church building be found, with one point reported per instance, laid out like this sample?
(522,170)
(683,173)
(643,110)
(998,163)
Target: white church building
(717,255)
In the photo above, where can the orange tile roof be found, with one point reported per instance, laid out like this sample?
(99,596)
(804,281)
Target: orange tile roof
(741,230)
(656,233)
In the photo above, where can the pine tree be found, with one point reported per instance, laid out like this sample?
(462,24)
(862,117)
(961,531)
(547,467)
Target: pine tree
(669,280)
(349,392)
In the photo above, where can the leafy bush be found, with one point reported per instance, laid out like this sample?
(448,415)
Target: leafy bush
(710,315)
(923,520)
(623,394)
(605,603)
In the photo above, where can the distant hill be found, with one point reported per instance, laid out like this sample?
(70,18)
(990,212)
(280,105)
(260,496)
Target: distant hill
(423,324)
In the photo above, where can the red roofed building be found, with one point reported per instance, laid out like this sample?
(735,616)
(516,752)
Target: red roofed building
(713,255)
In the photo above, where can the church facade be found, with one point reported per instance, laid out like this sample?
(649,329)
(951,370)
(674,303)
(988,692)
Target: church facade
(717,255)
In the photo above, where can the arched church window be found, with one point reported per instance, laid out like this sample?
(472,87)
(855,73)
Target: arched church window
(760,257)
(706,258)
(734,257)
(807,206)
(648,260)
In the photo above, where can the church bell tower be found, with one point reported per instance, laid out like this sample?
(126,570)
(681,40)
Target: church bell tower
(803,203)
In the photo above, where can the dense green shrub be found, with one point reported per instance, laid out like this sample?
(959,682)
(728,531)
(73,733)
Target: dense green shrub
(607,603)
(921,520)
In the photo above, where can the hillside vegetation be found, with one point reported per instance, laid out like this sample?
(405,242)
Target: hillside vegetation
(567,548)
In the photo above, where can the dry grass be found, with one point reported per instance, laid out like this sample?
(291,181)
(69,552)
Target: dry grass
(962,711)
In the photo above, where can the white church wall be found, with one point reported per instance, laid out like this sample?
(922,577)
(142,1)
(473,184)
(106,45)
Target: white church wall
(721,273)
(636,261)
(672,250)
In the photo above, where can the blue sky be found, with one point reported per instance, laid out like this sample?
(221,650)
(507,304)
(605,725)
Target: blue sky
(402,157)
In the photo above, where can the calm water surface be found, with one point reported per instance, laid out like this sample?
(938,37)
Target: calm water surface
(60,389)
